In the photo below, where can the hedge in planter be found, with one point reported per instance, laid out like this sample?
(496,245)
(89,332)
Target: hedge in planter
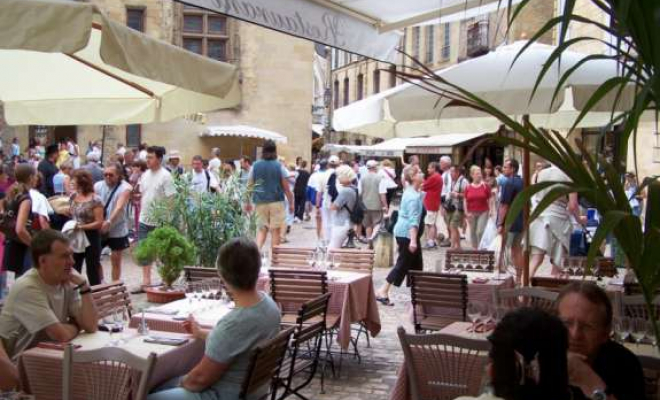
(169,249)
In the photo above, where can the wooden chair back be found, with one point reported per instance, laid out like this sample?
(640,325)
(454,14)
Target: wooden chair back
(293,287)
(109,373)
(194,274)
(265,364)
(549,283)
(290,257)
(443,367)
(437,299)
(109,296)
(651,368)
(361,260)
(634,306)
(527,297)
(470,260)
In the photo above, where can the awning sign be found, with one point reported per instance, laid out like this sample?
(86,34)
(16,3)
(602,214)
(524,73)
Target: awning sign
(311,21)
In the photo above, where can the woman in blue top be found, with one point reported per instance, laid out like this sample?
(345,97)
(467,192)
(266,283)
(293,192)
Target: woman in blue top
(406,232)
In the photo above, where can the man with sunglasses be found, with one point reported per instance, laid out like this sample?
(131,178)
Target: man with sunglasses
(115,194)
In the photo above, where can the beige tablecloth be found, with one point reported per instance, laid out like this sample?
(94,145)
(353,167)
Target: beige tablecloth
(352,298)
(41,369)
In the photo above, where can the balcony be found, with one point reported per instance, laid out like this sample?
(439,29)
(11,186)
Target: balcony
(477,39)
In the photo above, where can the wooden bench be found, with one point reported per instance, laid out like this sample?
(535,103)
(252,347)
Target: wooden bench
(361,260)
(109,296)
(290,257)
(470,260)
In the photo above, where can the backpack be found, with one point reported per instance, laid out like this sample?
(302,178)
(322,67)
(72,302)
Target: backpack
(332,187)
(356,215)
(8,218)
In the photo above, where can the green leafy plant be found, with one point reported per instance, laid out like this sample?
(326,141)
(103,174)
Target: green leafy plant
(636,50)
(207,220)
(169,249)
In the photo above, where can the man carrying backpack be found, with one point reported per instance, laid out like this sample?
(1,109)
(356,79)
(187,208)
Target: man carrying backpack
(328,193)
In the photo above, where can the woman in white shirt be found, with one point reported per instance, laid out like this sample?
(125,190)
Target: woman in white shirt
(388,173)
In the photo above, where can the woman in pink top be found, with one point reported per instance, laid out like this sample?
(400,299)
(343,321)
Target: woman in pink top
(476,205)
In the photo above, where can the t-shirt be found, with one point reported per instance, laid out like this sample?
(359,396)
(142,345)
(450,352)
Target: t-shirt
(459,187)
(95,170)
(202,182)
(621,371)
(232,340)
(267,176)
(388,175)
(142,155)
(32,306)
(477,198)
(40,204)
(371,186)
(510,189)
(433,188)
(119,228)
(214,167)
(346,197)
(48,171)
(154,186)
(558,207)
(323,187)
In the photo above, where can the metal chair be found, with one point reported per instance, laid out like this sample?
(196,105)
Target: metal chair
(470,260)
(527,297)
(290,257)
(110,296)
(305,352)
(265,365)
(443,367)
(437,299)
(109,373)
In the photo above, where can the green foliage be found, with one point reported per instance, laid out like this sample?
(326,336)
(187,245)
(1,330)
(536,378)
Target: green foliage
(171,250)
(636,50)
(208,220)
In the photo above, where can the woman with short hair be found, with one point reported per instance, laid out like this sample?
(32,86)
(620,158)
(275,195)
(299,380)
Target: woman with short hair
(228,346)
(344,204)
(476,205)
(87,210)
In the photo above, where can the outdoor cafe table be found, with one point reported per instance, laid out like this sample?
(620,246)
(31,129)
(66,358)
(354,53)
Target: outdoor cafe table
(41,369)
(352,298)
(401,389)
(610,285)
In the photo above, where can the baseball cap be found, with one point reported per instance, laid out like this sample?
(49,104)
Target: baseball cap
(371,164)
(333,160)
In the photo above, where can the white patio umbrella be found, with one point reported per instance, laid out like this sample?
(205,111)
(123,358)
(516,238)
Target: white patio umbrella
(63,63)
(407,108)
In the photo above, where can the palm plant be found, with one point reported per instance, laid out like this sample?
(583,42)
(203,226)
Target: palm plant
(636,51)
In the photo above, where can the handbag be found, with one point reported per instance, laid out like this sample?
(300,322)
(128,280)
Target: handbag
(9,218)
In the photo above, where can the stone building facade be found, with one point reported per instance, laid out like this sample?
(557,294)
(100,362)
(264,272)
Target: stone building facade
(276,75)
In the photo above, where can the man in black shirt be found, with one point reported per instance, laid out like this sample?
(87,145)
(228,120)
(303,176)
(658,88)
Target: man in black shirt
(48,170)
(601,368)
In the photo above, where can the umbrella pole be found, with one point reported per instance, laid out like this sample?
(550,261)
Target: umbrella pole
(526,183)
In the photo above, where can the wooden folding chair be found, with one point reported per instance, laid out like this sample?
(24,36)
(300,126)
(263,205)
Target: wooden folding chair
(634,306)
(194,274)
(290,288)
(443,367)
(549,283)
(437,299)
(110,296)
(358,260)
(527,297)
(265,365)
(290,257)
(470,260)
(109,373)
(305,353)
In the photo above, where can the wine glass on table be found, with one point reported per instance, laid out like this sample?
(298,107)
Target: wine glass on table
(311,259)
(650,333)
(109,325)
(638,330)
(622,328)
(474,314)
(121,323)
(336,261)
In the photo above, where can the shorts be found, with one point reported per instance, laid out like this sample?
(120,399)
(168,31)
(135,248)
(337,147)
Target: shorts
(116,244)
(311,195)
(431,217)
(372,218)
(514,239)
(270,215)
(455,219)
(144,230)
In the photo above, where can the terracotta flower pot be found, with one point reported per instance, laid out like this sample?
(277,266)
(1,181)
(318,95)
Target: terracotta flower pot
(161,294)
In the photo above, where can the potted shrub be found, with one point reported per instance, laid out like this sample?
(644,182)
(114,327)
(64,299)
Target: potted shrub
(171,251)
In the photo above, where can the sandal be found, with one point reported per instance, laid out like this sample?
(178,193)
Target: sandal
(384,301)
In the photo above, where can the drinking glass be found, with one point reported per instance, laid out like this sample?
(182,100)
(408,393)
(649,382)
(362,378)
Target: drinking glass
(190,294)
(311,259)
(474,313)
(622,328)
(650,333)
(638,330)
(121,323)
(109,324)
(336,261)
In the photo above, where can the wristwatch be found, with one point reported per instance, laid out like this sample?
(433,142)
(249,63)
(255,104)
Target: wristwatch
(598,395)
